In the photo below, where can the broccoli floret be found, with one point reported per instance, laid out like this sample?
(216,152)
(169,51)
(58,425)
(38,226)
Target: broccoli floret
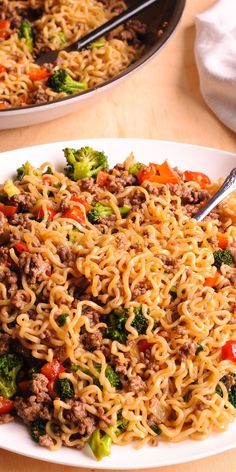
(200,348)
(121,425)
(222,256)
(231,390)
(10,364)
(23,170)
(38,428)
(26,32)
(112,376)
(64,389)
(98,44)
(10,189)
(116,325)
(48,171)
(135,168)
(156,429)
(100,444)
(98,212)
(140,323)
(232,395)
(84,162)
(61,81)
(60,35)
(125,210)
(61,320)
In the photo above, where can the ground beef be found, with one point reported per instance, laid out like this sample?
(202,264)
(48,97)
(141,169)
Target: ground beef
(9,278)
(4,254)
(18,300)
(187,350)
(39,95)
(60,353)
(3,222)
(116,184)
(136,384)
(130,32)
(193,197)
(88,185)
(229,381)
(4,343)
(21,220)
(6,418)
(45,440)
(106,223)
(92,341)
(65,254)
(29,410)
(170,263)
(78,415)
(154,190)
(91,314)
(34,267)
(39,386)
(140,289)
(24,200)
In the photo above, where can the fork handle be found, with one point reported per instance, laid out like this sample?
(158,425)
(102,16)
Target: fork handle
(228,186)
(111,24)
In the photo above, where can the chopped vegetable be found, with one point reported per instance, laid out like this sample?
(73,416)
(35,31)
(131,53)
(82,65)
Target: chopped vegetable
(82,201)
(99,211)
(143,345)
(3,106)
(102,178)
(26,32)
(199,349)
(223,240)
(112,376)
(124,211)
(62,319)
(10,189)
(38,73)
(2,69)
(156,429)
(202,179)
(133,170)
(8,210)
(50,213)
(231,390)
(10,365)
(23,170)
(52,370)
(5,406)
(222,256)
(21,247)
(61,81)
(162,174)
(75,213)
(100,444)
(64,389)
(99,43)
(116,325)
(84,162)
(140,323)
(212,281)
(228,351)
(59,34)
(4,28)
(38,428)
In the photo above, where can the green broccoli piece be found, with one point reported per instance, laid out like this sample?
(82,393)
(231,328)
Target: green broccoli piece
(116,325)
(156,429)
(26,32)
(140,323)
(99,211)
(48,171)
(125,210)
(231,390)
(84,162)
(232,395)
(100,444)
(98,44)
(23,170)
(10,364)
(135,168)
(222,256)
(173,292)
(113,377)
(10,189)
(121,425)
(61,81)
(64,389)
(38,428)
(60,35)
(61,320)
(200,348)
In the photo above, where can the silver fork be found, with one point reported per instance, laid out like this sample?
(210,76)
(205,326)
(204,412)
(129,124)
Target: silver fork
(228,186)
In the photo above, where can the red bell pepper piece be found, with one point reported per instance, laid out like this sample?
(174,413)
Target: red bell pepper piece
(52,370)
(102,178)
(143,345)
(162,174)
(202,179)
(74,213)
(21,247)
(228,351)
(39,73)
(8,210)
(5,406)
(83,202)
(51,213)
(223,240)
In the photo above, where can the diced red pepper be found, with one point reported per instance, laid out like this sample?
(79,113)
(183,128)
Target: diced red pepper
(212,281)
(228,351)
(223,240)
(4,24)
(51,213)
(5,406)
(52,370)
(21,247)
(8,210)
(74,213)
(83,202)
(102,178)
(202,179)
(143,345)
(162,174)
(3,106)
(2,69)
(39,73)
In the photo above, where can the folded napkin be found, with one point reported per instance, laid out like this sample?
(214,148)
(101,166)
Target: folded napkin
(215,51)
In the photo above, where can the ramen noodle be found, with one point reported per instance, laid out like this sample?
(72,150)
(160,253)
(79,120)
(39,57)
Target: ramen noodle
(31,27)
(117,308)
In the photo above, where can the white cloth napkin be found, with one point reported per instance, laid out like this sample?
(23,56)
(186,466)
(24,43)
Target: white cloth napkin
(215,51)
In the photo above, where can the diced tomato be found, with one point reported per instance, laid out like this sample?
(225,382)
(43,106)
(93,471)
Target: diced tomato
(202,179)
(5,406)
(4,24)
(51,213)
(39,73)
(102,178)
(212,281)
(162,174)
(51,388)
(223,240)
(2,69)
(228,351)
(3,106)
(24,386)
(47,179)
(8,210)
(52,370)
(143,345)
(83,202)
(74,213)
(21,247)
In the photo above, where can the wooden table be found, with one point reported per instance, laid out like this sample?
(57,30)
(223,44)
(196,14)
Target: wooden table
(161,101)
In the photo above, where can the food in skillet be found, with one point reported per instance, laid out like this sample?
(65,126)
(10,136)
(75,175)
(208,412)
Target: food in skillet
(31,27)
(117,309)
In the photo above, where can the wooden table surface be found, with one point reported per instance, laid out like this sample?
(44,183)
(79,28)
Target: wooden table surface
(161,101)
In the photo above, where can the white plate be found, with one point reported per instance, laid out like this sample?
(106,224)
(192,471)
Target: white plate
(15,437)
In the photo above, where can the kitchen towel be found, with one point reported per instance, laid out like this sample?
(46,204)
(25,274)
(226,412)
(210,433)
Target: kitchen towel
(215,52)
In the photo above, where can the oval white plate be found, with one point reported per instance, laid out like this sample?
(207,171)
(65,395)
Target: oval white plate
(14,436)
